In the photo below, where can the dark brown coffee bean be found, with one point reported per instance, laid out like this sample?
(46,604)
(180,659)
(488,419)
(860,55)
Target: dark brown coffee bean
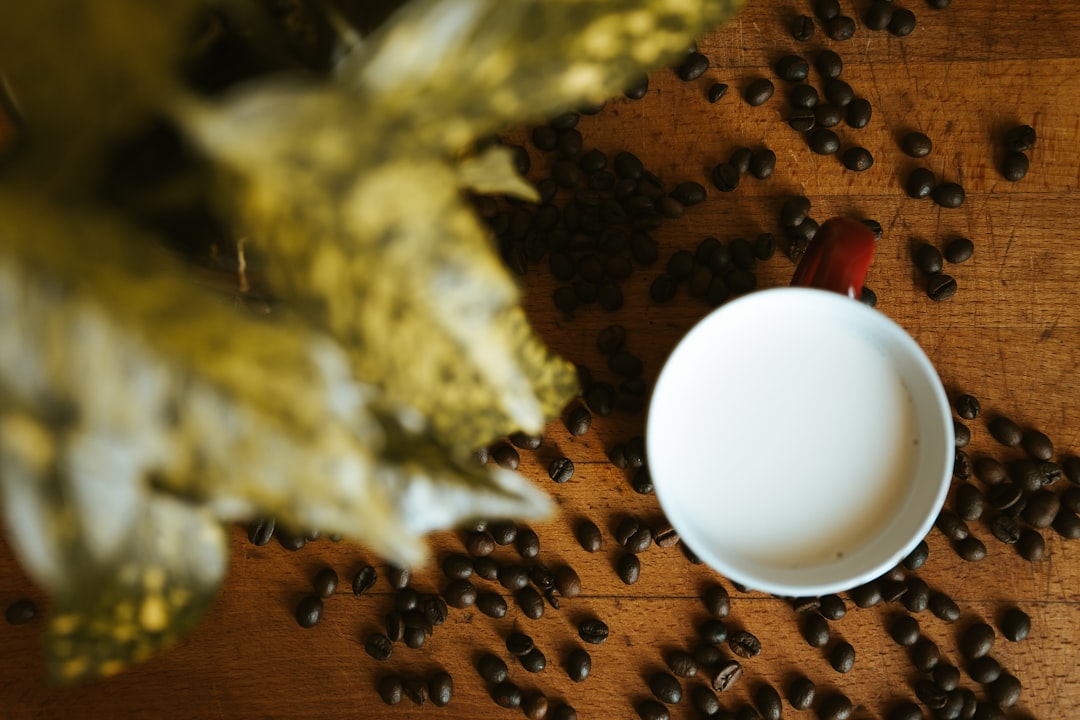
(589,536)
(905,631)
(971,549)
(441,688)
(1067,524)
(391,689)
(920,183)
(506,694)
(902,22)
(562,711)
(917,557)
(260,531)
(513,577)
(434,609)
(940,287)
(792,68)
(665,536)
(460,594)
(23,611)
(640,540)
(801,693)
(1005,431)
(530,602)
(925,655)
(943,607)
(917,145)
(406,599)
(990,471)
(794,211)
(768,702)
(479,544)
(984,670)
(704,700)
(378,646)
(726,674)
(977,641)
(492,668)
(948,195)
(835,707)
(1031,545)
(744,644)
(805,604)
(839,92)
(518,643)
(1037,445)
(969,502)
(681,663)
(505,456)
(917,597)
(840,28)
(866,595)
(593,631)
(535,705)
(802,28)
(1020,138)
(928,259)
(951,526)
(762,163)
(693,67)
(707,655)
(567,581)
(1070,499)
(652,710)
(578,664)
(717,601)
(415,637)
(1005,495)
(457,567)
(629,568)
(857,159)
(758,92)
(309,611)
(533,661)
(666,688)
(527,543)
(1015,624)
(892,590)
(826,10)
(946,677)
(525,441)
(815,630)
(503,532)
(961,465)
(491,604)
(878,14)
(289,540)
(626,527)
(578,420)
(906,711)
(486,568)
(1005,691)
(822,140)
(1005,529)
(1041,509)
(858,114)
(832,607)
(395,626)
(842,657)
(931,695)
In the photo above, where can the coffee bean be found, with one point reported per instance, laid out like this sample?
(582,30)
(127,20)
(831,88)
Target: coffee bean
(920,183)
(578,665)
(1015,166)
(801,693)
(567,581)
(802,28)
(858,114)
(803,97)
(652,710)
(795,211)
(943,607)
(1005,529)
(593,631)
(407,599)
(434,609)
(917,597)
(928,259)
(1031,545)
(1005,691)
(542,577)
(959,250)
(704,700)
(1041,509)
(629,568)
(917,557)
(832,607)
(666,688)
(768,702)
(562,711)
(857,159)
(533,661)
(815,630)
(823,141)
(716,91)
(976,641)
(840,28)
(984,670)
(707,655)
(578,420)
(569,143)
(600,398)
(969,502)
(441,688)
(906,711)
(308,611)
(1005,496)
(503,532)
(925,655)
(725,178)
(527,543)
(260,531)
(948,195)
(535,706)
(588,535)
(378,646)
(1020,138)
(513,577)
(693,67)
(905,631)
(681,663)
(762,163)
(916,144)
(902,23)
(415,637)
(950,524)
(1071,499)
(839,92)
(518,643)
(506,694)
(826,10)
(460,594)
(713,631)
(835,707)
(505,456)
(990,471)
(740,159)
(1050,472)
(940,287)
(492,669)
(23,611)
(391,689)
(744,644)
(758,92)
(545,138)
(802,119)
(638,87)
(1005,431)
(289,540)
(479,544)
(726,674)
(892,589)
(1037,445)
(931,695)
(842,657)
(792,68)
(1015,624)
(395,626)
(878,14)
(457,567)
(961,433)
(717,601)
(866,595)
(530,602)
(946,677)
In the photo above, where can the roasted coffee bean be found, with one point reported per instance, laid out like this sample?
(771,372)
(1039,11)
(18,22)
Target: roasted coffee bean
(434,609)
(260,531)
(23,611)
(578,664)
(744,644)
(840,28)
(513,577)
(627,165)
(527,543)
(943,607)
(950,524)
(1037,445)
(801,693)
(725,178)
(827,115)
(835,707)
(569,143)
(948,195)
(593,631)
(823,141)
(589,536)
(920,183)
(1020,138)
(1005,431)
(681,663)
(689,193)
(768,702)
(961,433)
(842,657)
(666,688)
(1015,166)
(758,92)
(491,604)
(917,557)
(579,420)
(928,259)
(961,465)
(1050,472)
(916,145)
(1031,545)
(857,159)
(457,567)
(395,626)
(990,471)
(506,694)
(906,711)
(665,536)
(969,502)
(503,532)
(407,599)
(1041,509)
(1071,499)
(764,246)
(1005,495)
(545,138)
(726,674)
(535,706)
(762,163)
(629,568)
(1005,529)
(803,96)
(415,637)
(892,589)
(600,398)
(627,527)
(742,253)
(593,161)
(707,655)
(859,112)
(533,661)
(795,210)
(717,601)
(1005,691)
(815,630)
(905,631)
(925,655)
(638,87)
(802,119)
(652,710)
(562,711)
(946,677)
(308,611)
(492,668)
(866,595)
(567,581)
(542,577)
(917,597)
(378,646)
(525,441)
(740,159)
(931,695)
(1015,624)
(716,91)
(831,606)
(802,28)
(968,701)
(826,10)
(460,594)
(713,631)
(505,456)
(391,689)
(289,540)
(984,670)
(1067,524)
(940,287)
(792,68)
(441,688)
(704,700)
(669,207)
(977,641)
(693,67)
(839,92)
(518,643)
(479,544)
(902,22)
(878,14)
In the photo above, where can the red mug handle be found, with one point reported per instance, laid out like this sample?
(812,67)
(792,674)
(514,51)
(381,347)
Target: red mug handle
(837,258)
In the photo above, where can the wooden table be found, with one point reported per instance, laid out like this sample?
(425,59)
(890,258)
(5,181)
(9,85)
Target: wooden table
(1010,336)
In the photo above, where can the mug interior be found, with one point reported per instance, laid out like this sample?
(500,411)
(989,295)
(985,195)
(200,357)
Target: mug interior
(743,469)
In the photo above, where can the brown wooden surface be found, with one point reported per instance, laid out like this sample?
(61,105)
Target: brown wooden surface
(1011,337)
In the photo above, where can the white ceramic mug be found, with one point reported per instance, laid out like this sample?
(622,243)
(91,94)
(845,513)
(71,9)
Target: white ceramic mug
(799,441)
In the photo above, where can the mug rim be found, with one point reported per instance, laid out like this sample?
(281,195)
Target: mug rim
(940,406)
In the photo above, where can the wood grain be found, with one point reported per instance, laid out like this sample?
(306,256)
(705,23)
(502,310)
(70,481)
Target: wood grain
(1011,337)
